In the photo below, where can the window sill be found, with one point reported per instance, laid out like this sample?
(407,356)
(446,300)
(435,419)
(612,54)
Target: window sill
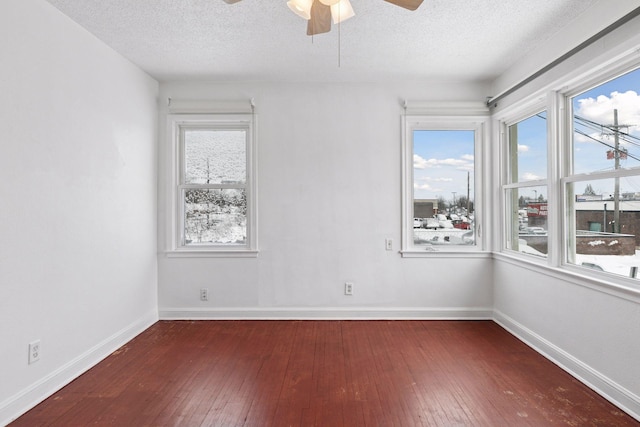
(620,287)
(208,253)
(425,253)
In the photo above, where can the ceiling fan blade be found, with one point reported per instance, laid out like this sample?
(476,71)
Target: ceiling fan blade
(320,21)
(407,4)
(230,1)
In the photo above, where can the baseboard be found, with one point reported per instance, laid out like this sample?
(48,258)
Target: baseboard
(337,313)
(24,400)
(601,384)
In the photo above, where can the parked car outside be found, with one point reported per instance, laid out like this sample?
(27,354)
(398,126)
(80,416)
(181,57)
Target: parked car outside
(443,221)
(533,230)
(460,224)
(431,223)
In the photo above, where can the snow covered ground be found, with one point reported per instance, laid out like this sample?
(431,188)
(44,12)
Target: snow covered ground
(615,264)
(443,236)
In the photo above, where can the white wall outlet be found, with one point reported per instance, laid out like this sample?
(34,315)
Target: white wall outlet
(348,288)
(388,244)
(204,294)
(34,351)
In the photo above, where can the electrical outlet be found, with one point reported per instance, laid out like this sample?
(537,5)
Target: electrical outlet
(204,294)
(348,288)
(388,243)
(34,351)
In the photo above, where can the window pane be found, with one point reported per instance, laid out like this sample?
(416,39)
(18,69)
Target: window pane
(443,193)
(607,233)
(527,214)
(215,156)
(528,232)
(215,216)
(604,213)
(528,149)
(606,123)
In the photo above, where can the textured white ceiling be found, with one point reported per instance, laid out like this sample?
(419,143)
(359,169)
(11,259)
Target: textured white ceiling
(469,40)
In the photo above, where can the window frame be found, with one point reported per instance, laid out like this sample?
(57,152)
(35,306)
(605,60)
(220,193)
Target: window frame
(507,185)
(569,177)
(556,98)
(443,117)
(177,125)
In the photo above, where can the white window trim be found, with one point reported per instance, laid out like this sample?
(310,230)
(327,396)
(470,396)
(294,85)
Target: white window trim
(450,116)
(502,123)
(556,97)
(177,121)
(562,102)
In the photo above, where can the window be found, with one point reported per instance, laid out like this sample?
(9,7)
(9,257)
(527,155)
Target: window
(440,207)
(213,187)
(602,188)
(525,192)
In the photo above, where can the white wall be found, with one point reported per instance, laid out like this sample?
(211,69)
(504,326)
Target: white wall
(589,328)
(78,266)
(590,331)
(78,228)
(329,173)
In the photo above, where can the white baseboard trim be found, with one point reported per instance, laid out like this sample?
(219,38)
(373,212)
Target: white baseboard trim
(24,400)
(336,313)
(601,384)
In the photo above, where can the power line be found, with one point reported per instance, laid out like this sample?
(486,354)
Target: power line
(636,144)
(609,127)
(600,126)
(603,143)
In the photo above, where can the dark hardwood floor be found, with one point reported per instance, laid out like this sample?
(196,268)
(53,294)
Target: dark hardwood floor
(325,373)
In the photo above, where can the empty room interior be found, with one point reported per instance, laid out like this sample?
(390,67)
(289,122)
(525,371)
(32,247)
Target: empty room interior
(320,179)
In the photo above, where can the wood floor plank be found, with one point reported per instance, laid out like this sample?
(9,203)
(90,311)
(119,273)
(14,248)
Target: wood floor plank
(325,373)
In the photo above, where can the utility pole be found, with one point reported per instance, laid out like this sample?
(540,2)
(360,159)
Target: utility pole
(618,153)
(454,199)
(468,190)
(616,191)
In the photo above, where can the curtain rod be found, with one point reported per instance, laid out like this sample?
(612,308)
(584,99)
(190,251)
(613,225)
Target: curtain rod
(492,102)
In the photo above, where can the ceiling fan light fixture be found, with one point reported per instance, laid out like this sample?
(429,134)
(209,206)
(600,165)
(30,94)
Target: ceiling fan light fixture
(302,8)
(341,11)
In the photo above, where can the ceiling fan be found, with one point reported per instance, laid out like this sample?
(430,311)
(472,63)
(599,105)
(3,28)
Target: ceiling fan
(320,12)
